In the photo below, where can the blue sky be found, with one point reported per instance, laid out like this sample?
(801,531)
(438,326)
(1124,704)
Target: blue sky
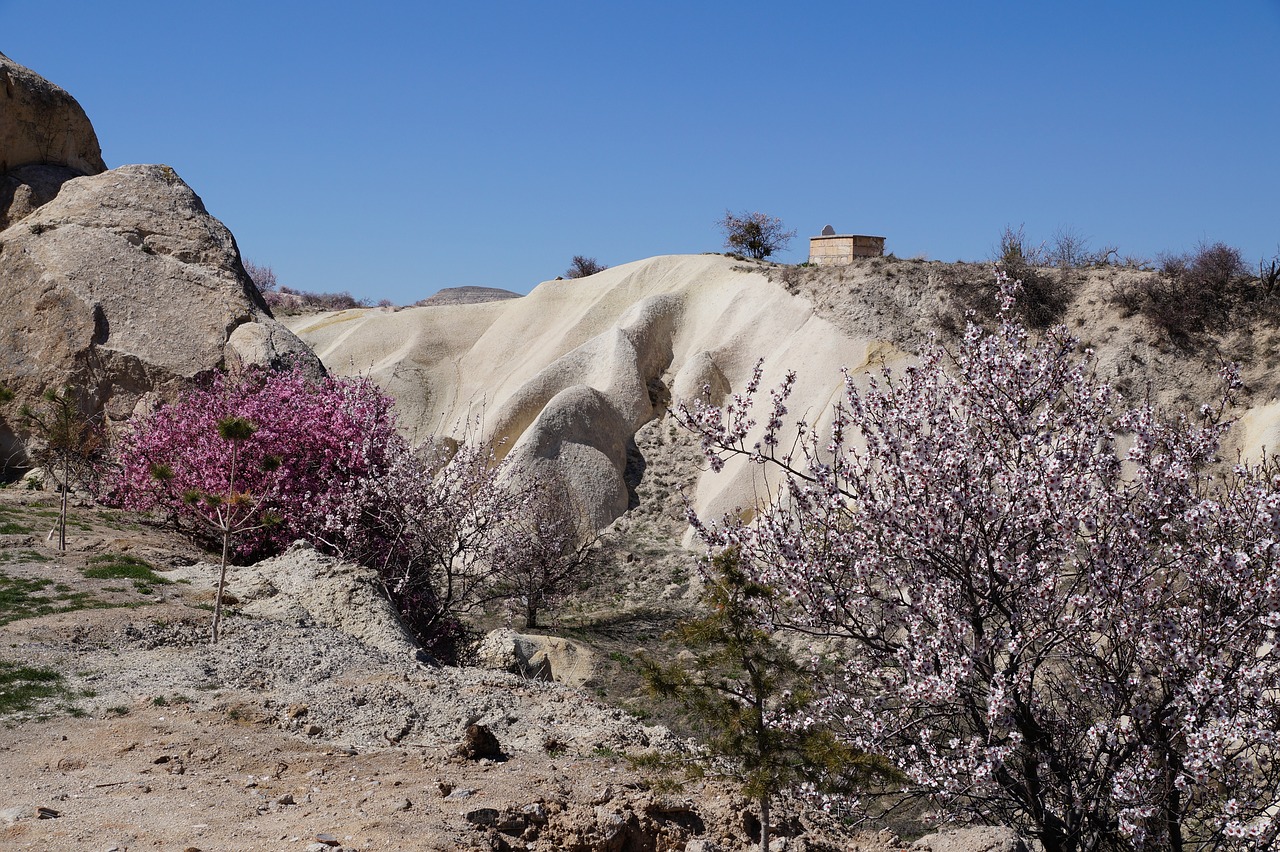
(394,148)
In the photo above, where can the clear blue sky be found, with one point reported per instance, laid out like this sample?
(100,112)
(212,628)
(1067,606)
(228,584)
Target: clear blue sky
(394,148)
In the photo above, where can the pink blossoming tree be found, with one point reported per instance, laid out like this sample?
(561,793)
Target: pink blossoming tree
(322,461)
(1047,612)
(311,443)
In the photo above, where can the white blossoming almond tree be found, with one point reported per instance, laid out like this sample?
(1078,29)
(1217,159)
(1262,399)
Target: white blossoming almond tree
(431,525)
(1051,614)
(546,550)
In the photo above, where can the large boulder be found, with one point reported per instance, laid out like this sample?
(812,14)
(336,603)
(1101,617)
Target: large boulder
(118,283)
(45,141)
(124,286)
(536,657)
(42,124)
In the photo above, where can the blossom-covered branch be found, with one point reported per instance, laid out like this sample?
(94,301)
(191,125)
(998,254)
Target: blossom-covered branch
(1047,611)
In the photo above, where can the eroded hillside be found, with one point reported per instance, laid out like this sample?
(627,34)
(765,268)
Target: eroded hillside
(568,375)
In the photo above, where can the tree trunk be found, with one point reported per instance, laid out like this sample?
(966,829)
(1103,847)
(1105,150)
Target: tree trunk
(226,543)
(222,582)
(62,516)
(764,822)
(530,616)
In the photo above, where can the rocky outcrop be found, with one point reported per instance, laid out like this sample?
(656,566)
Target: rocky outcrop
(45,141)
(466,296)
(118,282)
(123,285)
(304,585)
(568,375)
(536,657)
(42,124)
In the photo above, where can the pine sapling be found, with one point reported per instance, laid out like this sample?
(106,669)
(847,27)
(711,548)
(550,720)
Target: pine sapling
(73,445)
(231,512)
(752,699)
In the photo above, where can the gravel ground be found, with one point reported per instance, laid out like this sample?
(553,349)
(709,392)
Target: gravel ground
(299,729)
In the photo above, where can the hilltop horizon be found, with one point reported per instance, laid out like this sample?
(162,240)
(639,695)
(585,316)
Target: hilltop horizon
(395,149)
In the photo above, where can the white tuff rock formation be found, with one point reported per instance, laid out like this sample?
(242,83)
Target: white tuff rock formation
(566,375)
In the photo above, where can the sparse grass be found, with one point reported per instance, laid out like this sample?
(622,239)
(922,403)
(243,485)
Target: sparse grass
(22,556)
(121,566)
(638,624)
(112,520)
(26,520)
(27,598)
(21,687)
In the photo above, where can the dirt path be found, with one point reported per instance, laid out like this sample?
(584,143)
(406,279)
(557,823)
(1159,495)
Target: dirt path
(177,778)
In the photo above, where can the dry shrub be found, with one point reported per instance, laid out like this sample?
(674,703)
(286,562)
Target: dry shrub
(1200,292)
(583,267)
(287,300)
(1046,293)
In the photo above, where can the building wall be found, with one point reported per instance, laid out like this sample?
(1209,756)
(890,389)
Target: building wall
(843,248)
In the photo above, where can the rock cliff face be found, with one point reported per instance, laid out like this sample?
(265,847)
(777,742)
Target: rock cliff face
(118,282)
(568,375)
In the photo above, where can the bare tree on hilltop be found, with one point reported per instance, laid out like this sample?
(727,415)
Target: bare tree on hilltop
(755,235)
(583,266)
